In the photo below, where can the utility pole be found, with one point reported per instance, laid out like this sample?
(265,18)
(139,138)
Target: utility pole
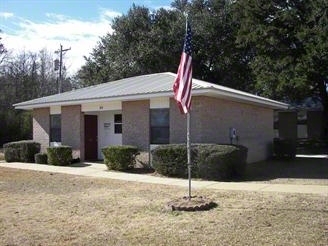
(59,66)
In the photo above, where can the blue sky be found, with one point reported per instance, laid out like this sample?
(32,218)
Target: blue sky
(30,25)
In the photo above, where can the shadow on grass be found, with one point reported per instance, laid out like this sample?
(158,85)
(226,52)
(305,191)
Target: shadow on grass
(140,170)
(302,168)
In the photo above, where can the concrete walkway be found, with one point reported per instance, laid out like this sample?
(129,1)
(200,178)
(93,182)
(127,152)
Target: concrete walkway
(100,171)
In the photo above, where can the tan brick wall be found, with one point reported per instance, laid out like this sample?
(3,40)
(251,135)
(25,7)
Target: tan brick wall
(135,116)
(211,119)
(41,127)
(72,129)
(178,124)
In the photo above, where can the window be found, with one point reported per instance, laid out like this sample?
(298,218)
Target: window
(118,123)
(55,128)
(159,126)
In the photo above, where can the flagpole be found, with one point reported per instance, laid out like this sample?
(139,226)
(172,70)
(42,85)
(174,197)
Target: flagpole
(188,137)
(189,153)
(182,88)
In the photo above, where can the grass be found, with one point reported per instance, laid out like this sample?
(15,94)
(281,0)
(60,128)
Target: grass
(40,208)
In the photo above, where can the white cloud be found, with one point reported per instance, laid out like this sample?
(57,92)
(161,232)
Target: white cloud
(164,7)
(56,16)
(106,13)
(6,15)
(79,35)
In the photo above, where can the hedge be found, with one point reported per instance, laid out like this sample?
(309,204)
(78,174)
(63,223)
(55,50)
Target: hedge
(21,151)
(59,156)
(209,161)
(171,160)
(121,157)
(41,158)
(221,162)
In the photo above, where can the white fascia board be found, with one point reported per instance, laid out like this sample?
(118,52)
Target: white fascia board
(55,110)
(78,102)
(159,102)
(101,106)
(214,92)
(242,97)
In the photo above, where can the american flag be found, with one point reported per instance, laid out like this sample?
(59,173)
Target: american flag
(183,82)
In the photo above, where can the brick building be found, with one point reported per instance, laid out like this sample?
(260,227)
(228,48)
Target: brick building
(141,111)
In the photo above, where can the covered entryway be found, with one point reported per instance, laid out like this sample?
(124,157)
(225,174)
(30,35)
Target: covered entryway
(109,129)
(91,137)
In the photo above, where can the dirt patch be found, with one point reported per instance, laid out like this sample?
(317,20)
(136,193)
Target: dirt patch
(41,208)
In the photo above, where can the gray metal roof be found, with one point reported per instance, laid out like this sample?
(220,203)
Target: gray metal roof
(142,87)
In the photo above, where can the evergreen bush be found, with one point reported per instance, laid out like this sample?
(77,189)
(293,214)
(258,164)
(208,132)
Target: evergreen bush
(171,160)
(209,161)
(41,158)
(21,151)
(120,157)
(59,156)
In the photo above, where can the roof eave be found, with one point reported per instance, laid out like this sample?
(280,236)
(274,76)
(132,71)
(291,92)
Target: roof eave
(231,95)
(245,98)
(104,99)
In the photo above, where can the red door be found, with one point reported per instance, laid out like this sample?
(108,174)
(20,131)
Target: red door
(91,137)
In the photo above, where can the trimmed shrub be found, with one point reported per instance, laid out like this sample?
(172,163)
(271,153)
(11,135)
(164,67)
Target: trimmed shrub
(171,160)
(22,151)
(209,161)
(12,154)
(120,157)
(59,156)
(221,162)
(41,158)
